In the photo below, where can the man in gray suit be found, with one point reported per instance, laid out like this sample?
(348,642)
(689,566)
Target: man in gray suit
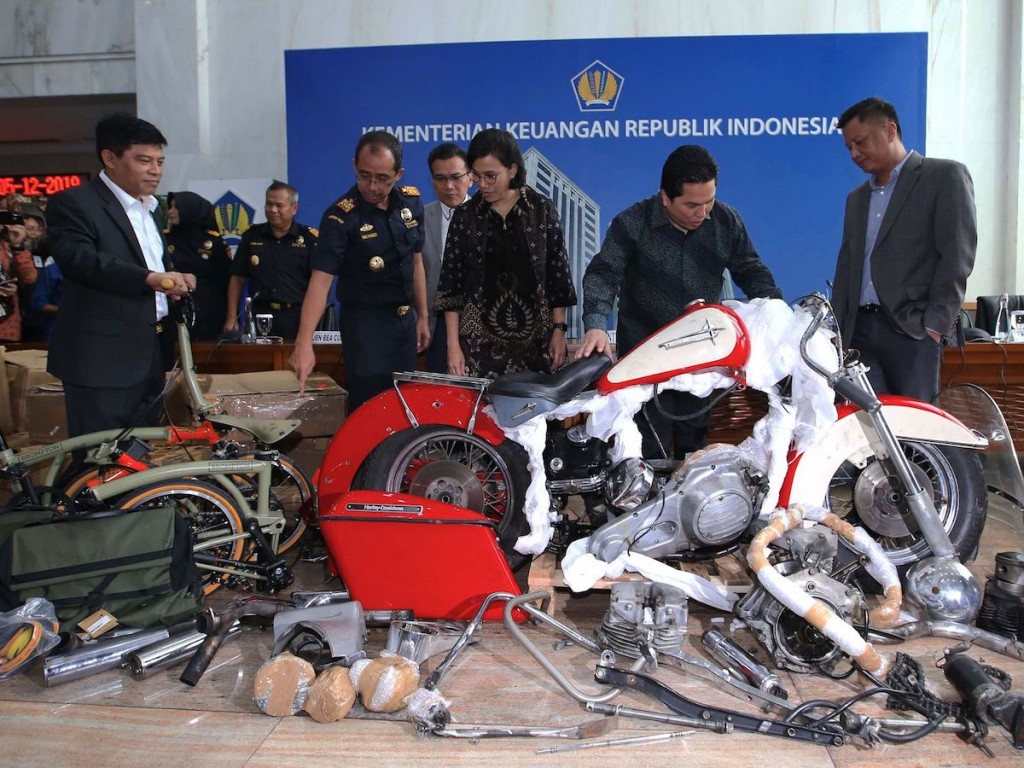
(450,176)
(909,241)
(117,283)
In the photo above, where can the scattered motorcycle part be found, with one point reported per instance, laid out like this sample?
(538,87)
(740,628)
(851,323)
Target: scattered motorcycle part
(984,696)
(217,624)
(804,558)
(586,730)
(952,630)
(434,679)
(708,502)
(617,742)
(823,734)
(336,627)
(706,724)
(728,653)
(1002,609)
(166,653)
(311,599)
(581,696)
(99,656)
(812,599)
(942,589)
(656,612)
(419,640)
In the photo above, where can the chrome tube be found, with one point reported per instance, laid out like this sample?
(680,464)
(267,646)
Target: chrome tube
(953,631)
(166,653)
(97,657)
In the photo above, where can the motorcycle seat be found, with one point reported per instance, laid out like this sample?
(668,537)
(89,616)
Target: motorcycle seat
(558,387)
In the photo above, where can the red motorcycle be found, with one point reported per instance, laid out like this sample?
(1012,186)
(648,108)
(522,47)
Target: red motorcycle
(908,472)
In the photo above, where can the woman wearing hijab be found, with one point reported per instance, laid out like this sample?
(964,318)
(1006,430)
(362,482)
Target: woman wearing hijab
(195,246)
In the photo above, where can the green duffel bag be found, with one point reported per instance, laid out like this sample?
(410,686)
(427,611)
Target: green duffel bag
(136,565)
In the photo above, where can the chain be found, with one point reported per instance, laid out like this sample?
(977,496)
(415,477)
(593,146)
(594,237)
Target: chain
(907,674)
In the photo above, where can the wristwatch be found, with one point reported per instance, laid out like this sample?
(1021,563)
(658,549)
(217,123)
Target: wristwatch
(560,327)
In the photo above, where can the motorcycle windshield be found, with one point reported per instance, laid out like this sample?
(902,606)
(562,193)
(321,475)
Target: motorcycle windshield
(976,408)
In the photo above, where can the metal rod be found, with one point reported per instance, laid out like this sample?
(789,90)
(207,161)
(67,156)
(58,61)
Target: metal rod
(616,742)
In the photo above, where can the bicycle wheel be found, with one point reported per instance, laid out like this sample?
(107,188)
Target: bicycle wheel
(103,474)
(291,493)
(211,514)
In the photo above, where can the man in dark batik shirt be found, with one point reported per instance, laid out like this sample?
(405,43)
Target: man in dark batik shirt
(660,254)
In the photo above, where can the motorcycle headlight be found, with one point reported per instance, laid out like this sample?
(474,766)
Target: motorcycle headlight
(628,484)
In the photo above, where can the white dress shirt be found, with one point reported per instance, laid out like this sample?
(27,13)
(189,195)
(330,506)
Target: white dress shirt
(140,214)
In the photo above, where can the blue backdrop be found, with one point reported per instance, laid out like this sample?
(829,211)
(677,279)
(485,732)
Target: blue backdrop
(605,114)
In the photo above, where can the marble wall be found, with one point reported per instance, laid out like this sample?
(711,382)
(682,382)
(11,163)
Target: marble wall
(210,73)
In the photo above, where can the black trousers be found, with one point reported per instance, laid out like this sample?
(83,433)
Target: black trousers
(900,365)
(376,341)
(670,438)
(437,351)
(94,409)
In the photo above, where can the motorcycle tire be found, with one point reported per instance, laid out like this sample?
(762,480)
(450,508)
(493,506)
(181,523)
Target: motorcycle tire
(958,490)
(446,464)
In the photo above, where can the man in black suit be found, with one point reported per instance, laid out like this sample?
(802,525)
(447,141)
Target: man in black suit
(909,241)
(105,237)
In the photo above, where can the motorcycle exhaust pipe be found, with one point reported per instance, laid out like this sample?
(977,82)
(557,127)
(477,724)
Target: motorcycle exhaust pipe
(97,657)
(174,650)
(729,654)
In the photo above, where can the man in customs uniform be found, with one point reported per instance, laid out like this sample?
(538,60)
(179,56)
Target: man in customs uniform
(275,258)
(372,239)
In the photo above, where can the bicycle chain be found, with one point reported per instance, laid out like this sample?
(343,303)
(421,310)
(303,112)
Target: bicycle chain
(907,674)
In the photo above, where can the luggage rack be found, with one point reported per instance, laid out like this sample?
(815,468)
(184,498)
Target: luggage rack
(425,377)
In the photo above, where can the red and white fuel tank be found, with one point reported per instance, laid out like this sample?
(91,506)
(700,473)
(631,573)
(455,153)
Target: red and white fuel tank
(705,338)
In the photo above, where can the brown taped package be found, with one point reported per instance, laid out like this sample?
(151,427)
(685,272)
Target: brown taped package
(331,696)
(282,684)
(383,683)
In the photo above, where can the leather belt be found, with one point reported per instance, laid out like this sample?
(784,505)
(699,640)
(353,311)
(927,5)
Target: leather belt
(277,306)
(869,308)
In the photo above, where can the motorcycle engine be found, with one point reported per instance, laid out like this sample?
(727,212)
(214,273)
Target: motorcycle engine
(709,501)
(642,615)
(804,556)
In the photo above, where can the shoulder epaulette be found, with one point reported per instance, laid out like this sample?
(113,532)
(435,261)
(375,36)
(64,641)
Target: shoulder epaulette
(409,191)
(347,204)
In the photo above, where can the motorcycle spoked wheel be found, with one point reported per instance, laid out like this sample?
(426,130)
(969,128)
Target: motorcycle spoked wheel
(449,465)
(864,496)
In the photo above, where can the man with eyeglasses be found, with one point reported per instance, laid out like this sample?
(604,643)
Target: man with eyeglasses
(372,240)
(659,255)
(450,176)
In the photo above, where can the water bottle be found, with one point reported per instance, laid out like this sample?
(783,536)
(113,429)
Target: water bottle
(249,335)
(1003,319)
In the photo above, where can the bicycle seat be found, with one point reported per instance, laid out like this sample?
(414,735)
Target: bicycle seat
(267,431)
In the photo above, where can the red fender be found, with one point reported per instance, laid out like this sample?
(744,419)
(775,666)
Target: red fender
(379,418)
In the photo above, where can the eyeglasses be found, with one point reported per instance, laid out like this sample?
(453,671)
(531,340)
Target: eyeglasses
(489,176)
(440,178)
(380,180)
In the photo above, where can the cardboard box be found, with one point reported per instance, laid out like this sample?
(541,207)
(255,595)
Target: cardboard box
(270,395)
(37,398)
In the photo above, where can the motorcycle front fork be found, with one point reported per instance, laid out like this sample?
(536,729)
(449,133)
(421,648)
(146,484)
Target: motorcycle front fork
(916,498)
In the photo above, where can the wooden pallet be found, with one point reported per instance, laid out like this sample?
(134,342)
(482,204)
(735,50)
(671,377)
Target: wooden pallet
(729,571)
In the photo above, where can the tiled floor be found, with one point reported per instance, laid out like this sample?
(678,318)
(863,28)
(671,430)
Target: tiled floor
(111,720)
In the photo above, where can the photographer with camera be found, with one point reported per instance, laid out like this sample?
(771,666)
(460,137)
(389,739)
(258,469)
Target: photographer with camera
(16,267)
